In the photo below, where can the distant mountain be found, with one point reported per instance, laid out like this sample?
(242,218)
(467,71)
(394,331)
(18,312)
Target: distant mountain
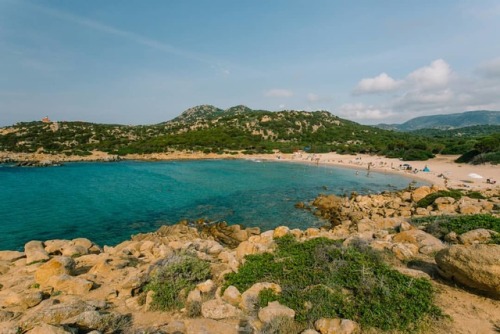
(446,122)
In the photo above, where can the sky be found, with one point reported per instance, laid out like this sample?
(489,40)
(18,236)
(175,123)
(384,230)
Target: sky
(145,62)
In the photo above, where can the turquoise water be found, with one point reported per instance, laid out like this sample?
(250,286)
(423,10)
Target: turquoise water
(108,202)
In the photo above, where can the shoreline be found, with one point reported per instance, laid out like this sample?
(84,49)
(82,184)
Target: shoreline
(443,171)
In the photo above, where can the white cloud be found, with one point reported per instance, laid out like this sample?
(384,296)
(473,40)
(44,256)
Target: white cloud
(379,84)
(360,111)
(436,75)
(278,92)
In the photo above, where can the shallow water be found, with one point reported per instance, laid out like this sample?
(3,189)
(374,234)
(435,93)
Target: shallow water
(108,202)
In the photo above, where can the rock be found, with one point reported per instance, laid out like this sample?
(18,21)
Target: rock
(35,252)
(469,209)
(6,316)
(249,298)
(404,251)
(245,248)
(54,313)
(175,327)
(420,193)
(476,266)
(60,265)
(336,326)
(11,256)
(310,331)
(101,321)
(425,242)
(217,309)
(194,296)
(206,287)
(405,226)
(451,237)
(48,329)
(24,300)
(232,295)
(209,326)
(274,310)
(281,231)
(55,246)
(10,328)
(444,200)
(445,208)
(478,236)
(70,285)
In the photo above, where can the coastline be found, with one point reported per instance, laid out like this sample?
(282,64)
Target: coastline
(443,171)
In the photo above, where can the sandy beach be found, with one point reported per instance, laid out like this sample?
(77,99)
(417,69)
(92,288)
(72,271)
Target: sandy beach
(443,171)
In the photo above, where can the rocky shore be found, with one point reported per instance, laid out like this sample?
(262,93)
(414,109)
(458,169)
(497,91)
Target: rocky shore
(76,286)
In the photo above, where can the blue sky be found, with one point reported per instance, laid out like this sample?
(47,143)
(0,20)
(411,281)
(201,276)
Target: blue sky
(144,62)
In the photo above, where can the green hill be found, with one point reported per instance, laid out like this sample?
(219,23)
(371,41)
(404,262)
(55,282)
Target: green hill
(210,129)
(448,121)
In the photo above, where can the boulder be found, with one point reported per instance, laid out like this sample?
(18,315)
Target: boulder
(102,321)
(425,242)
(467,209)
(478,236)
(232,296)
(281,231)
(475,266)
(53,313)
(25,300)
(420,193)
(336,326)
(275,310)
(48,329)
(209,326)
(35,252)
(11,256)
(206,287)
(56,266)
(175,327)
(217,309)
(69,284)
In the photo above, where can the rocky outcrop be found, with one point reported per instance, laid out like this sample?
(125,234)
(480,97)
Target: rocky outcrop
(336,326)
(476,266)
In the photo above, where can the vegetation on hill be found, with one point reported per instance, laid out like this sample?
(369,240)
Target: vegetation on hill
(210,129)
(447,121)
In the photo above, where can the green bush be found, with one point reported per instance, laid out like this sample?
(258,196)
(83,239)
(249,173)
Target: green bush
(429,199)
(174,278)
(321,278)
(442,225)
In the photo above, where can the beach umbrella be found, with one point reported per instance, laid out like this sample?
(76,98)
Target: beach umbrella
(475,176)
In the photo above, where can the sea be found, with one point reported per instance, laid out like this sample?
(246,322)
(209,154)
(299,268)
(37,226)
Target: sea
(109,202)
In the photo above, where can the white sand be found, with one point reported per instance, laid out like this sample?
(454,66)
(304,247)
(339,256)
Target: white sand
(442,168)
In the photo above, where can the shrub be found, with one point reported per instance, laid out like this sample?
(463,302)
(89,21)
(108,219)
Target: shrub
(442,225)
(176,275)
(321,278)
(429,199)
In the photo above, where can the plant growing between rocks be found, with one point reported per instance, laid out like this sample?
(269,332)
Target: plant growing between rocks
(439,226)
(322,279)
(173,278)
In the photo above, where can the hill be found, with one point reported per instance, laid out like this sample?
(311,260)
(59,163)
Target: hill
(446,122)
(210,129)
